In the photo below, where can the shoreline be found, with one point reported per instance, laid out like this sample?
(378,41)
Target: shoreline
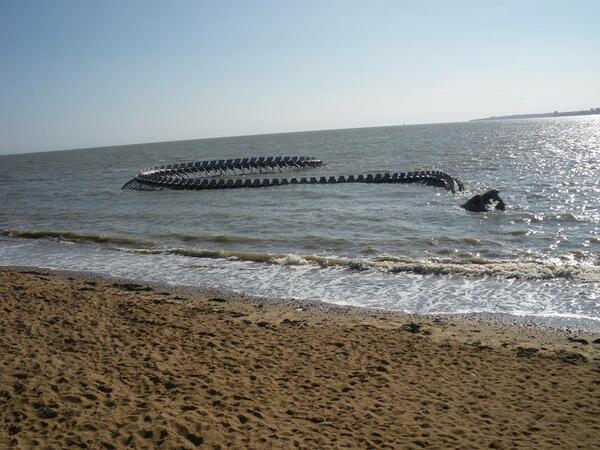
(497,322)
(109,362)
(568,324)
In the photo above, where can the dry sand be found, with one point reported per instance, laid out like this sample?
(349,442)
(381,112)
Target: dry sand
(95,363)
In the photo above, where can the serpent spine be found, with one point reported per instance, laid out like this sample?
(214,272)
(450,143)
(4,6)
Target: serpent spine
(232,174)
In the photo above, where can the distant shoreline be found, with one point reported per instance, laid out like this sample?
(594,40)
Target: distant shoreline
(586,112)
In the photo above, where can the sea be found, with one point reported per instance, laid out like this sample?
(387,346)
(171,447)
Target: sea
(400,247)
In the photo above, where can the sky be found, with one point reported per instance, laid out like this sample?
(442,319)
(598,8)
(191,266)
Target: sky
(77,74)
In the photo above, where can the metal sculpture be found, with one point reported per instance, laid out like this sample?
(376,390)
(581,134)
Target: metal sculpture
(234,173)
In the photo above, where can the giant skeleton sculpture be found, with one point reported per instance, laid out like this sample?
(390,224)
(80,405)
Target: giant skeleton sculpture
(236,173)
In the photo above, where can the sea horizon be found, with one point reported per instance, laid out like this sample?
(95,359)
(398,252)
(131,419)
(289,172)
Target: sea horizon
(168,141)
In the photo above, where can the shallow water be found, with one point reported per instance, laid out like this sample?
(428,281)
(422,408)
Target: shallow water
(402,247)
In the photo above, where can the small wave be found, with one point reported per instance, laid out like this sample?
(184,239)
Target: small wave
(472,267)
(391,258)
(309,240)
(221,238)
(519,232)
(324,241)
(187,237)
(70,236)
(145,251)
(450,241)
(224,254)
(228,238)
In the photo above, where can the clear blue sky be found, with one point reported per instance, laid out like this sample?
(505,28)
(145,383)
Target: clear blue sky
(93,73)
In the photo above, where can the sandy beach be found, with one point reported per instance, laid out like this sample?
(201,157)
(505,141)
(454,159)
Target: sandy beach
(99,363)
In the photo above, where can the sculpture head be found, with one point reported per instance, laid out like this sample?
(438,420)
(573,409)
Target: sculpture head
(485,202)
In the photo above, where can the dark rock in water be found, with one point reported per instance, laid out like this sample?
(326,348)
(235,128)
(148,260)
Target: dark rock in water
(596,341)
(484,202)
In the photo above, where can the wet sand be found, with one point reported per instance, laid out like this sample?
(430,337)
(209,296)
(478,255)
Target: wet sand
(100,363)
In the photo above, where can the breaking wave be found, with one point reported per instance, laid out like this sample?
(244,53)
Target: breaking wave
(522,270)
(519,269)
(313,241)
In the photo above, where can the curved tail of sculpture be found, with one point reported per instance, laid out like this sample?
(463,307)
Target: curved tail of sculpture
(233,173)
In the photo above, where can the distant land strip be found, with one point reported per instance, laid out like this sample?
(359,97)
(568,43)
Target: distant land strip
(583,112)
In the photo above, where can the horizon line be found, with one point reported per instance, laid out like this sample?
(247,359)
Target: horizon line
(227,137)
(258,134)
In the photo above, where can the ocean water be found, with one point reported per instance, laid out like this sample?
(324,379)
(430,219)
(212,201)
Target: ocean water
(399,247)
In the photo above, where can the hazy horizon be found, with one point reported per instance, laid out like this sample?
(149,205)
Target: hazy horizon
(122,144)
(94,75)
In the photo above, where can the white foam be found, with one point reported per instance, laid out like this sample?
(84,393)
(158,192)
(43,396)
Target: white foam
(408,292)
(291,260)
